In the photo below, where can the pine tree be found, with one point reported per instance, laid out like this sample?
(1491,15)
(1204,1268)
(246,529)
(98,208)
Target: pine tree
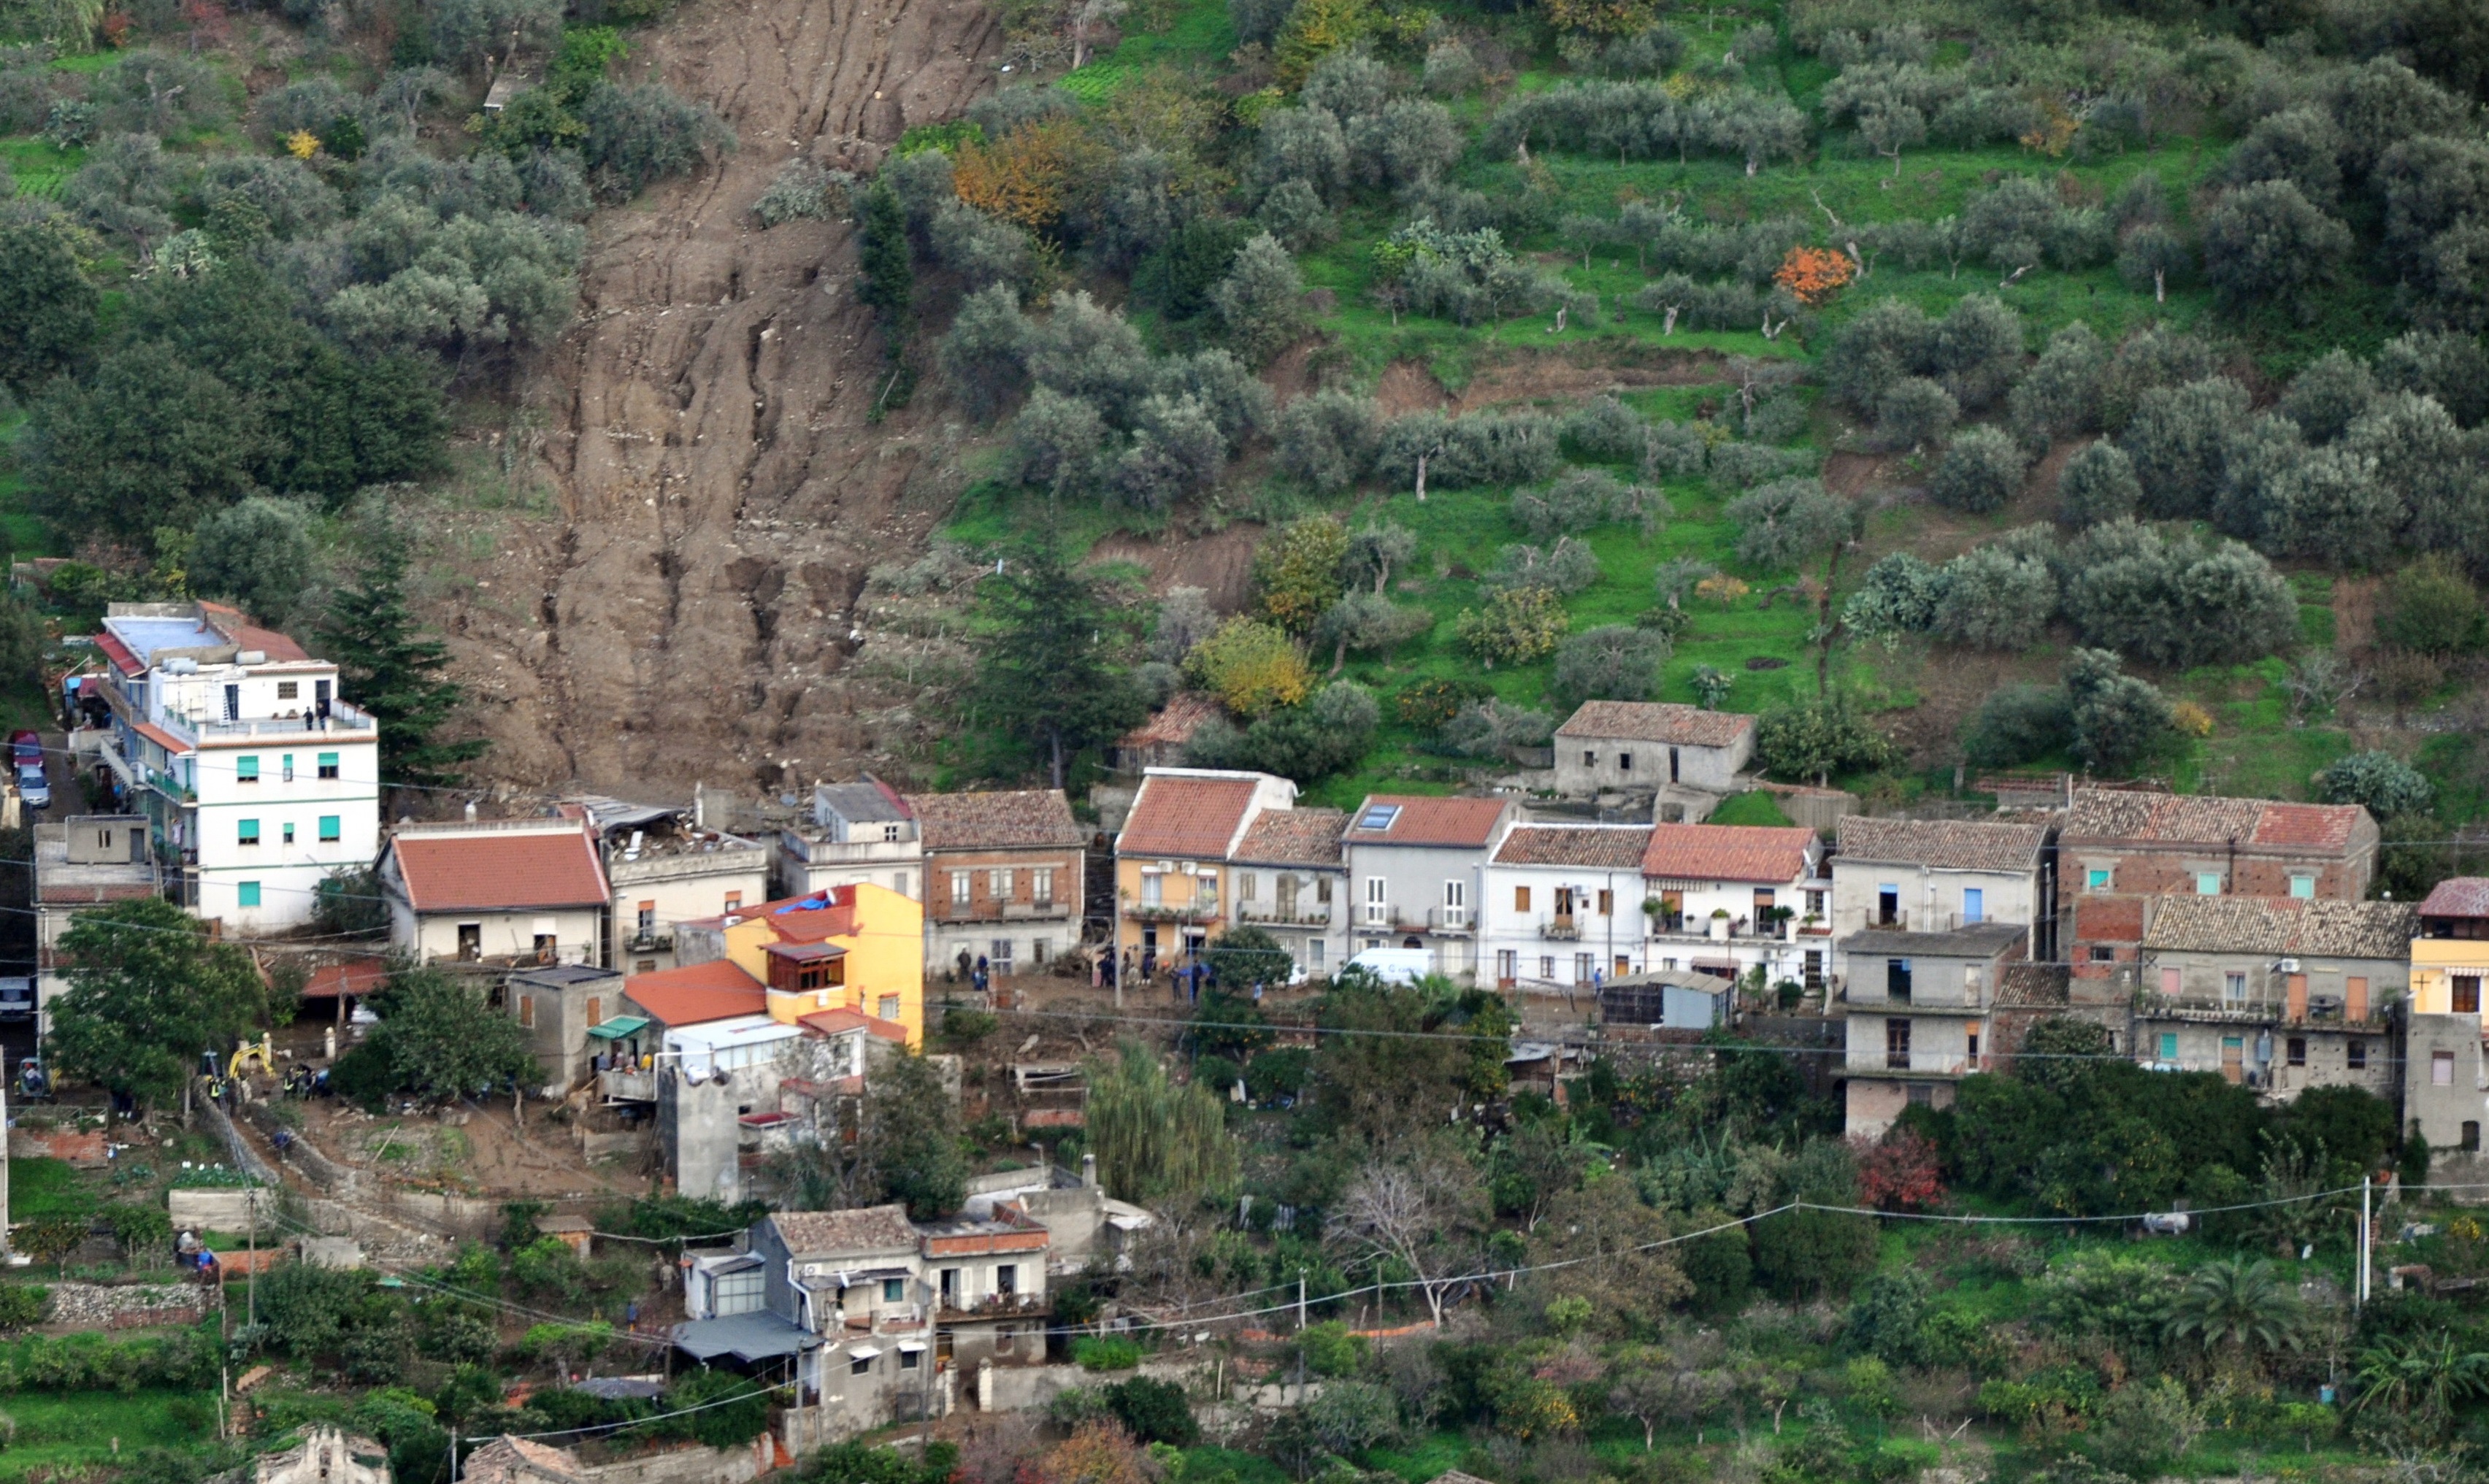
(1048,672)
(387,667)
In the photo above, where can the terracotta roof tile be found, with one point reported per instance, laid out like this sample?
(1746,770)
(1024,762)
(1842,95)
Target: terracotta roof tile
(2102,815)
(1182,815)
(1949,845)
(1591,846)
(697,993)
(986,822)
(1652,721)
(2281,926)
(1174,724)
(1293,836)
(1726,852)
(861,1229)
(2458,897)
(1422,820)
(838,1022)
(507,870)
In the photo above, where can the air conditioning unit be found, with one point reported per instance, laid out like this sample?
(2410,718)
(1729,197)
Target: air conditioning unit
(2287,966)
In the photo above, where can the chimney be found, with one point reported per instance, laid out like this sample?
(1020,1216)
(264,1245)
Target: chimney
(699,805)
(1089,1172)
(470,810)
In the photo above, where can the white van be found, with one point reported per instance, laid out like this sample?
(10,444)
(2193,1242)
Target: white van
(1395,965)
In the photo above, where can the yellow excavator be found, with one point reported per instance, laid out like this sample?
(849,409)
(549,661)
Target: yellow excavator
(262,1051)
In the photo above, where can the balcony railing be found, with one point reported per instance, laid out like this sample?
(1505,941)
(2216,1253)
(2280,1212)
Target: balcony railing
(1930,1063)
(1317,914)
(1172,912)
(1016,911)
(344,720)
(993,1304)
(651,943)
(1566,930)
(627,1085)
(1448,919)
(1717,930)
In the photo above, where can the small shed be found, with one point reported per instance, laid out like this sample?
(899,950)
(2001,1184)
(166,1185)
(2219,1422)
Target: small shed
(1667,1000)
(577,1232)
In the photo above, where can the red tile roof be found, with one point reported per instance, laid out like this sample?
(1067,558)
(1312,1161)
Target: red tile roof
(2109,815)
(1653,721)
(1427,821)
(2321,826)
(360,977)
(838,1022)
(697,993)
(1180,814)
(2458,897)
(1174,724)
(500,871)
(1031,817)
(1293,836)
(1726,852)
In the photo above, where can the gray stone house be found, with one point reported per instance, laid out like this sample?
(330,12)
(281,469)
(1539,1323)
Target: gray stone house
(1919,1005)
(1933,875)
(1675,753)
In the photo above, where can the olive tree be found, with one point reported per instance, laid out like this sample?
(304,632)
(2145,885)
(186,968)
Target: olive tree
(2178,440)
(1328,438)
(2380,782)
(1982,469)
(2120,720)
(2098,484)
(257,553)
(2328,394)
(1262,299)
(2267,242)
(1995,598)
(1785,523)
(1614,662)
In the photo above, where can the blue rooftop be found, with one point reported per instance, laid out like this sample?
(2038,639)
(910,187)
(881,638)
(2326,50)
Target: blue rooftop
(143,637)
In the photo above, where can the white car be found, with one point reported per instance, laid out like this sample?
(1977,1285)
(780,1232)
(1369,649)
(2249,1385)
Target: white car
(1395,965)
(34,788)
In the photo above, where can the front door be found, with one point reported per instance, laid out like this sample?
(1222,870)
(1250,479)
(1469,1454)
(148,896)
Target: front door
(2233,1058)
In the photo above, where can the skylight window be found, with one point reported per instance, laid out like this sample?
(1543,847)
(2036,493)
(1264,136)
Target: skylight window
(1378,817)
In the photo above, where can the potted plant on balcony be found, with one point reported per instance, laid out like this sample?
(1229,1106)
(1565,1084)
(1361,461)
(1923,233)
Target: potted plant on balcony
(1720,925)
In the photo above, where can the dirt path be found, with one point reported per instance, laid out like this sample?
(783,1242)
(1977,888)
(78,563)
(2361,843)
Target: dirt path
(722,495)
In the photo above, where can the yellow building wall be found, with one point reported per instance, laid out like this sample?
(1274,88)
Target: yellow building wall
(2434,962)
(885,955)
(1176,889)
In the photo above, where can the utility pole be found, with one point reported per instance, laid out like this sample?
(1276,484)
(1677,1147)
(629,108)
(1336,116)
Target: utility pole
(2360,1281)
(1301,1299)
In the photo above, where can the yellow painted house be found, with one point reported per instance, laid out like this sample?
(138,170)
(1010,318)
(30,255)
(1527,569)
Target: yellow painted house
(2451,957)
(1172,857)
(859,948)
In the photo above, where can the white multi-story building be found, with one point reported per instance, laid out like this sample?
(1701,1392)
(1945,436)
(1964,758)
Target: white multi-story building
(1726,898)
(1563,906)
(256,778)
(862,834)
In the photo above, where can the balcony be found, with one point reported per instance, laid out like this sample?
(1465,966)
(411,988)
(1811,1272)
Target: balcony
(1921,919)
(1562,929)
(830,852)
(1315,916)
(344,720)
(1035,911)
(1913,1064)
(1172,912)
(651,943)
(627,1085)
(1716,930)
(991,1306)
(1447,920)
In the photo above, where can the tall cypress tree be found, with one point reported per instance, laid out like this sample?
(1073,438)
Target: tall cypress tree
(387,665)
(1048,672)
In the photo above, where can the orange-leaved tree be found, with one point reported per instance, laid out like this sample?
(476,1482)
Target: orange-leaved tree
(1814,274)
(1025,177)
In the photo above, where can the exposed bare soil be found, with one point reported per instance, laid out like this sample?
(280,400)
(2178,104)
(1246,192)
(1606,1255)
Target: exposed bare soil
(1221,563)
(721,495)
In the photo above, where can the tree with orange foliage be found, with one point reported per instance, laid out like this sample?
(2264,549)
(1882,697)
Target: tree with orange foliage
(1900,1173)
(1099,1452)
(1814,274)
(1025,177)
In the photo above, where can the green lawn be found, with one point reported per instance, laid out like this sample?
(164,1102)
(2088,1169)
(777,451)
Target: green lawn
(46,1188)
(58,1434)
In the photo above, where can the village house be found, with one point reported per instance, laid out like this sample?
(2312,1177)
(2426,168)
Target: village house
(859,833)
(1004,878)
(1677,1001)
(256,778)
(1416,867)
(1933,875)
(561,1008)
(1562,905)
(1291,882)
(2449,952)
(1730,899)
(1160,741)
(497,891)
(1688,759)
(83,863)
(663,869)
(1918,1005)
(2278,993)
(2445,1089)
(848,948)
(1171,859)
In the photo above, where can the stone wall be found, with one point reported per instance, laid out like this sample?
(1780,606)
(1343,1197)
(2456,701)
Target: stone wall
(130,1306)
(691,1466)
(220,1209)
(79,1148)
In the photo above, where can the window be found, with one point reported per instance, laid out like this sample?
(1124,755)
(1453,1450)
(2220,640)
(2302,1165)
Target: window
(1896,1045)
(890,834)
(999,882)
(950,1287)
(2295,1051)
(1508,965)
(648,919)
(1547,967)
(1007,1278)
(910,1360)
(2302,886)
(528,1011)
(860,1363)
(1379,817)
(894,1290)
(1624,762)
(285,767)
(1521,898)
(246,895)
(2208,883)
(1040,885)
(2169,1046)
(1152,890)
(1378,907)
(960,890)
(547,947)
(245,770)
(1314,957)
(2441,1069)
(1456,904)
(246,833)
(328,765)
(1322,890)
(2096,879)
(285,832)
(2234,988)
(2102,953)
(289,690)
(2355,1054)
(2171,983)
(470,941)
(331,829)
(1001,955)
(899,882)
(1897,980)
(1246,885)
(2470,1142)
(1041,952)
(2354,997)
(733,900)
(887,1007)
(737,1293)
(1287,885)
(1590,758)
(1920,1095)
(1583,966)
(2467,994)
(1973,1039)
(1974,905)
(1607,903)
(596,1009)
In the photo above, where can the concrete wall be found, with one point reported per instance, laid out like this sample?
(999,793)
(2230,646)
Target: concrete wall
(1939,1043)
(2447,1047)
(689,1465)
(1016,1387)
(1413,880)
(1586,766)
(578,934)
(1506,927)
(678,887)
(219,1209)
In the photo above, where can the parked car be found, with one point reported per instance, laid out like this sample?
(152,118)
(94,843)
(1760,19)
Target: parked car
(16,998)
(34,788)
(1395,965)
(26,748)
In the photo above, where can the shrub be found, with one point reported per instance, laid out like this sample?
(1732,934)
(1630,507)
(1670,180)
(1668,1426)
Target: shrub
(1252,667)
(2119,720)
(1808,1254)
(1262,299)
(2098,484)
(1819,736)
(1899,596)
(1106,1352)
(1981,471)
(638,135)
(1518,625)
(2384,783)
(1153,1411)
(2017,723)
(2431,608)
(23,1305)
(1995,598)
(1789,521)
(1913,413)
(1614,662)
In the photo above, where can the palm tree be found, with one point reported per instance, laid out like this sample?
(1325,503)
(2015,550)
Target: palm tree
(2425,1376)
(2238,1303)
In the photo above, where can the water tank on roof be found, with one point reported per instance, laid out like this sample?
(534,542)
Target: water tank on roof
(251,657)
(182,667)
